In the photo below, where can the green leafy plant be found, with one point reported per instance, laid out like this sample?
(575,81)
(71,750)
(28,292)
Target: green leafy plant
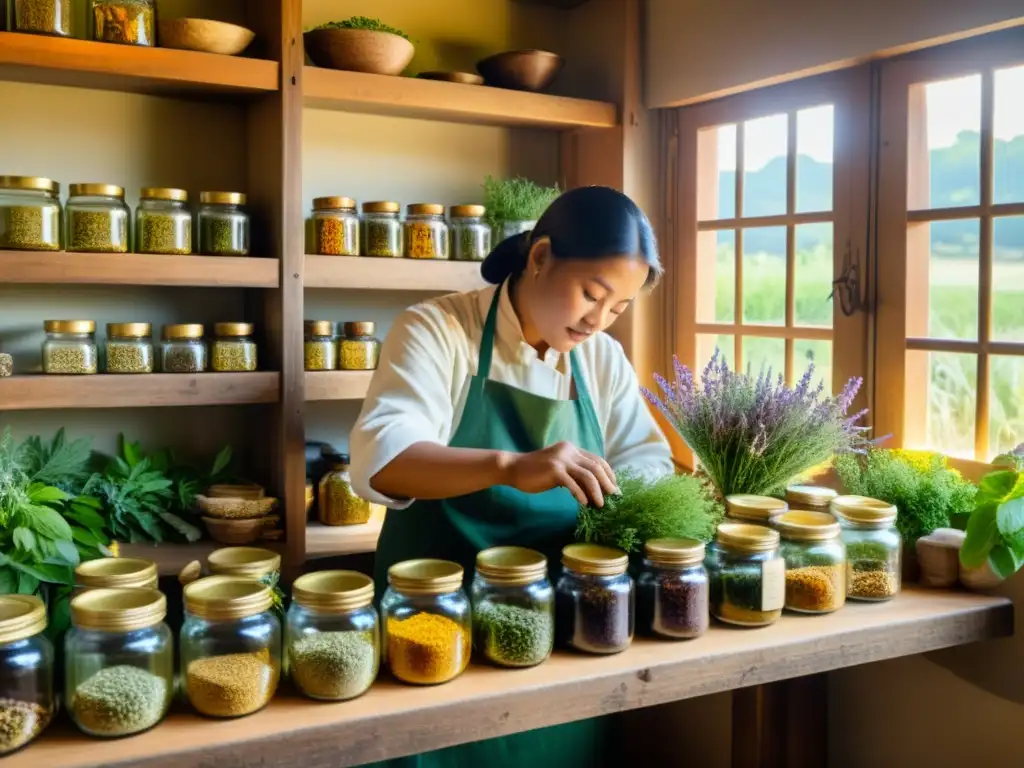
(516,199)
(672,506)
(995,529)
(187,480)
(362,22)
(927,493)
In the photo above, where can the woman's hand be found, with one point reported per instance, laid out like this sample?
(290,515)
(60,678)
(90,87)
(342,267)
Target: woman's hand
(587,476)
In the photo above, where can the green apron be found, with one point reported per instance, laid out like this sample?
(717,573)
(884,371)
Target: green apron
(501,417)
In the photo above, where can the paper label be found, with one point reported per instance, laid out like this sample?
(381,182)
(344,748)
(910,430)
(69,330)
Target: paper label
(773,584)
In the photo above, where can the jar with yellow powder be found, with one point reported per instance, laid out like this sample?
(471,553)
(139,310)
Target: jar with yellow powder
(338,503)
(335,226)
(426,232)
(359,349)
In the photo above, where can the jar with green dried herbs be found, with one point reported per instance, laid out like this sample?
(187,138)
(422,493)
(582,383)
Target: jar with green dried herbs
(70,347)
(320,349)
(338,503)
(470,234)
(746,575)
(815,561)
(30,214)
(119,661)
(359,349)
(594,600)
(335,226)
(97,218)
(163,222)
(873,547)
(127,22)
(380,230)
(43,17)
(27,700)
(756,510)
(223,224)
(425,232)
(672,589)
(233,348)
(129,348)
(183,349)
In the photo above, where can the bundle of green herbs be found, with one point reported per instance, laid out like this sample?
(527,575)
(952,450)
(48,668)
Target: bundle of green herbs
(927,493)
(516,199)
(673,506)
(753,434)
(362,22)
(995,528)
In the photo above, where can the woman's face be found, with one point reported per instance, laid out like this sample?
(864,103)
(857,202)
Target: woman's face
(568,300)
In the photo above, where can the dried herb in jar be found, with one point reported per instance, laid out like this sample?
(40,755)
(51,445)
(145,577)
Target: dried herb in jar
(334,237)
(381,237)
(333,665)
(184,359)
(163,233)
(120,700)
(233,684)
(320,355)
(129,357)
(233,356)
(668,606)
(736,596)
(20,722)
(48,17)
(30,228)
(426,648)
(73,360)
(872,571)
(6,365)
(473,244)
(816,588)
(426,240)
(222,237)
(130,22)
(513,635)
(597,620)
(97,231)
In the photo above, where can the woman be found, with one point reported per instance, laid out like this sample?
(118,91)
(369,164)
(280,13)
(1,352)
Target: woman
(495,413)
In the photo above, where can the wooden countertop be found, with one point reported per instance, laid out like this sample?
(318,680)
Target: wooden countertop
(394,720)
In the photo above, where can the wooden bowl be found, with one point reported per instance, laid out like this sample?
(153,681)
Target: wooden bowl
(359,50)
(235,509)
(204,35)
(466,78)
(527,70)
(237,531)
(226,491)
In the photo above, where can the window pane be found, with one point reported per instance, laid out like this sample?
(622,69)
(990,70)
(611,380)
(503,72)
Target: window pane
(951,144)
(818,353)
(760,352)
(1006,404)
(716,149)
(764,275)
(1008,274)
(706,345)
(716,277)
(952,279)
(950,401)
(813,278)
(764,165)
(815,132)
(1008,176)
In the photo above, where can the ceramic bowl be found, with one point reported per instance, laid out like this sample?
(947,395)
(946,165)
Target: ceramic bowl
(359,50)
(528,70)
(204,35)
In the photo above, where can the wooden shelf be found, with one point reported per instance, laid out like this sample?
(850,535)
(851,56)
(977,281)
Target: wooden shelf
(393,720)
(23,393)
(367,273)
(333,540)
(134,69)
(138,269)
(451,102)
(337,385)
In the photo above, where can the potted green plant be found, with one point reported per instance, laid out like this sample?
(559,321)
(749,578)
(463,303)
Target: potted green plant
(993,549)
(514,205)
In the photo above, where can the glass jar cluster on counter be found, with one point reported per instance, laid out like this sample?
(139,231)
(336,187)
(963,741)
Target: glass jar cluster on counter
(672,590)
(30,214)
(594,600)
(815,561)
(356,348)
(27,700)
(747,575)
(873,547)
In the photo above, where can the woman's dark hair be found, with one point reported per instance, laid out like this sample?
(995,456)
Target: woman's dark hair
(587,223)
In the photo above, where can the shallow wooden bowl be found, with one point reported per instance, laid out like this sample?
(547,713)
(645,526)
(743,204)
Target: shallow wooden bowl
(228,491)
(359,50)
(527,70)
(466,78)
(237,531)
(235,509)
(204,35)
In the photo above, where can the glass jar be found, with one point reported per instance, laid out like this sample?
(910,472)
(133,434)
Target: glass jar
(332,635)
(873,547)
(97,219)
(339,504)
(746,575)
(359,349)
(815,561)
(251,563)
(30,214)
(129,348)
(594,600)
(163,222)
(320,352)
(512,227)
(116,573)
(471,235)
(335,226)
(70,347)
(223,224)
(233,349)
(757,510)
(43,17)
(27,702)
(672,590)
(183,349)
(513,607)
(128,22)
(427,621)
(426,232)
(380,231)
(119,661)
(230,646)
(811,498)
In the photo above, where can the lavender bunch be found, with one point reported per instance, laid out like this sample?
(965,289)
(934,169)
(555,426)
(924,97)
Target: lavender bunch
(754,435)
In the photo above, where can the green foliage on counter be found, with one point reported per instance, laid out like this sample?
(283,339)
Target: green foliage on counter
(362,22)
(516,199)
(995,529)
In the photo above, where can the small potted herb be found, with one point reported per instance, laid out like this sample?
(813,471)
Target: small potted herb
(514,205)
(359,44)
(993,549)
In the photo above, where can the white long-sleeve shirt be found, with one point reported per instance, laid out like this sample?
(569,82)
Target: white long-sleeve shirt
(419,389)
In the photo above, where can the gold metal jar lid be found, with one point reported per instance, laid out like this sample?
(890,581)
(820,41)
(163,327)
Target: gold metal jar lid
(220,598)
(319,327)
(233,329)
(381,206)
(362,328)
(184,331)
(129,329)
(120,572)
(222,198)
(863,511)
(333,591)
(424,209)
(742,537)
(21,617)
(760,509)
(118,610)
(466,211)
(92,189)
(811,495)
(70,326)
(164,193)
(252,562)
(594,559)
(511,566)
(333,203)
(807,525)
(425,577)
(674,552)
(38,183)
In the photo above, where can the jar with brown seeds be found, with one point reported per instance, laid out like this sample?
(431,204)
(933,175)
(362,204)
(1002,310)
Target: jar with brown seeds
(233,349)
(129,348)
(43,17)
(380,230)
(594,600)
(97,219)
(425,232)
(873,547)
(183,349)
(163,222)
(30,214)
(70,347)
(27,700)
(223,224)
(127,22)
(815,561)
(320,350)
(359,349)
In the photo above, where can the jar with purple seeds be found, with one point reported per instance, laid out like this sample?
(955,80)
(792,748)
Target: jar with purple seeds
(594,600)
